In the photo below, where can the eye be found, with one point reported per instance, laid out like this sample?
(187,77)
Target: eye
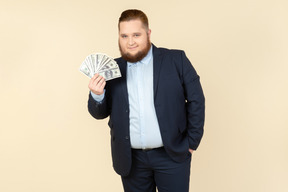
(124,36)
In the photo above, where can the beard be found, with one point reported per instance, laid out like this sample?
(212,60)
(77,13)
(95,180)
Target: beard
(138,56)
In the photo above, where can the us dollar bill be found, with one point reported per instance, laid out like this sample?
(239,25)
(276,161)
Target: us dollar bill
(110,74)
(85,69)
(100,63)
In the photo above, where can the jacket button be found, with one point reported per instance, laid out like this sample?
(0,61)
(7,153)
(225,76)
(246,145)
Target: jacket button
(126,137)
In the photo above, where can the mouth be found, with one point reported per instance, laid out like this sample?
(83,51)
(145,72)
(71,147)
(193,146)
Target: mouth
(132,48)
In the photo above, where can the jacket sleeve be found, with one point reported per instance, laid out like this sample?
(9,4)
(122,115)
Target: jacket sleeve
(195,103)
(99,110)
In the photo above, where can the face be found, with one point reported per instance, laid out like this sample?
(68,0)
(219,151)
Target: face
(134,40)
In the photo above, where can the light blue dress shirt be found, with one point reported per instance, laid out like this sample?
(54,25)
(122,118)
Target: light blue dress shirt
(144,127)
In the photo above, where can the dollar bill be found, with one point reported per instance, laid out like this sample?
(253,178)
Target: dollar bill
(100,63)
(85,69)
(110,74)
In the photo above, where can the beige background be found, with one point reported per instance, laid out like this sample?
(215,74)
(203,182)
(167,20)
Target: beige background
(49,142)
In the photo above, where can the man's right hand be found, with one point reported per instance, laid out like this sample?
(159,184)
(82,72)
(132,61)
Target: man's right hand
(97,84)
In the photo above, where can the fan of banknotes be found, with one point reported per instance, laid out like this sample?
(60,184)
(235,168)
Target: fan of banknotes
(102,64)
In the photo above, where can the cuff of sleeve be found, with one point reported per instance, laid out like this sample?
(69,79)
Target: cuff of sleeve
(98,98)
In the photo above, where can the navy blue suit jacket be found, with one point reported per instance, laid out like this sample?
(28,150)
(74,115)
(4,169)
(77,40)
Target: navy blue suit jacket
(179,104)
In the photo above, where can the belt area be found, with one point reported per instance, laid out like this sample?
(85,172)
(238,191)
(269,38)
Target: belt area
(149,149)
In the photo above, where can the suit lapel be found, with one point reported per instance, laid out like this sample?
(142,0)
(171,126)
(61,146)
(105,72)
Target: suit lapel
(123,68)
(157,63)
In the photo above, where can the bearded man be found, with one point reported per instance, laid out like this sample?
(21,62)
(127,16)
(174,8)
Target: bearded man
(156,110)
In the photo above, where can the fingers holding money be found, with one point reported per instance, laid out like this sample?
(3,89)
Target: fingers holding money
(97,84)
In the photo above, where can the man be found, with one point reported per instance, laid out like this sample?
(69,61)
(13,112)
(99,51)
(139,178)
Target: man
(156,110)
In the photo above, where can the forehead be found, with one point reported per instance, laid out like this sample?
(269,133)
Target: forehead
(131,26)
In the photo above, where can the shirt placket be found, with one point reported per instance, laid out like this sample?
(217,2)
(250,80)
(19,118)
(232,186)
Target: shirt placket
(141,102)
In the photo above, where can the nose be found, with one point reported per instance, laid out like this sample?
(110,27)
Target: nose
(131,41)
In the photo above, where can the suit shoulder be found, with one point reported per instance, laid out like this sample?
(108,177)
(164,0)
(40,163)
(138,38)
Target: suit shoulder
(118,59)
(172,52)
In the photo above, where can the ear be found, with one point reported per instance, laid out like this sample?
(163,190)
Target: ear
(149,33)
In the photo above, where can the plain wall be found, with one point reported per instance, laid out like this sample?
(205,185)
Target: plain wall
(50,143)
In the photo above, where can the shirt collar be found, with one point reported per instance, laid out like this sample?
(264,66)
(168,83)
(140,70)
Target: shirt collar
(145,60)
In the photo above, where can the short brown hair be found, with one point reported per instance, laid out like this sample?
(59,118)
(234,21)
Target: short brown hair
(133,14)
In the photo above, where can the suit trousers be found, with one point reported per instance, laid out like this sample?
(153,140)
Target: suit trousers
(153,169)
